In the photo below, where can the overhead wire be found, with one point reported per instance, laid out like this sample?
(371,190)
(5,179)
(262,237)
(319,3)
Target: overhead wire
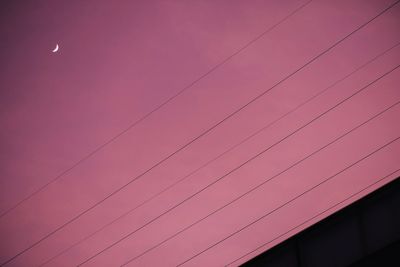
(134,124)
(199,136)
(291,200)
(239,166)
(162,160)
(315,216)
(220,155)
(251,190)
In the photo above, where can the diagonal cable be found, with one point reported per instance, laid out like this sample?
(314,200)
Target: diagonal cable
(291,200)
(134,124)
(317,215)
(217,157)
(201,135)
(263,183)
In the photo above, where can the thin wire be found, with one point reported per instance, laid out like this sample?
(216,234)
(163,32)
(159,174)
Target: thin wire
(219,156)
(198,192)
(161,161)
(253,189)
(290,201)
(238,167)
(156,108)
(315,216)
(263,183)
(201,135)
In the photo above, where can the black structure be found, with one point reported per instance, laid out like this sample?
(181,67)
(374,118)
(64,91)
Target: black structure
(365,233)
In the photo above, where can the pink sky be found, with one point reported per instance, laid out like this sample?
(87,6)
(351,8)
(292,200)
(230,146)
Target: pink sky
(119,61)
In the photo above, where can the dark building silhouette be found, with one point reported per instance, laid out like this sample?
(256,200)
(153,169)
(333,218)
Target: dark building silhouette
(365,233)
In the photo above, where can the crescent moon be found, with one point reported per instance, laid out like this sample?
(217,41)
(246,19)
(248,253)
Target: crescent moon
(55,49)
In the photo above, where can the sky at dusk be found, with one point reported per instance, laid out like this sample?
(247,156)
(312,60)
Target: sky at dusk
(189,133)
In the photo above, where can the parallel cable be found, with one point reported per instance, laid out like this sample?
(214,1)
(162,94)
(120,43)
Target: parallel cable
(219,156)
(315,216)
(202,134)
(134,124)
(241,165)
(258,186)
(290,201)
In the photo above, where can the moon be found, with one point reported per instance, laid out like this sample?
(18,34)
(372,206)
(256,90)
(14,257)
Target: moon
(55,49)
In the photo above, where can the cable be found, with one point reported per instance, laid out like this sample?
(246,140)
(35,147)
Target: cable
(315,216)
(201,135)
(263,183)
(219,156)
(288,202)
(241,165)
(225,175)
(134,124)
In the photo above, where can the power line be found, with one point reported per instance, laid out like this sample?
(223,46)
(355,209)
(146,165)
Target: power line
(164,159)
(291,200)
(266,181)
(219,156)
(315,216)
(134,124)
(238,167)
(258,186)
(201,135)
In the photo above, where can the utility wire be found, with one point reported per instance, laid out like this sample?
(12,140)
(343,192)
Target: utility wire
(273,87)
(201,135)
(314,217)
(263,183)
(252,158)
(219,156)
(134,124)
(158,163)
(291,200)
(238,167)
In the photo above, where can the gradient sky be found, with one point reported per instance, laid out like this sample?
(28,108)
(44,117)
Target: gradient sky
(119,60)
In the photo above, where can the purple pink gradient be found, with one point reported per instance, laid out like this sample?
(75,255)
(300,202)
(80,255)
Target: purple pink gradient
(119,60)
